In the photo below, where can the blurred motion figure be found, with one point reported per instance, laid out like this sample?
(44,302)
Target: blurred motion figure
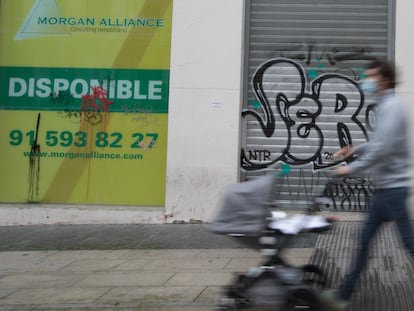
(387,156)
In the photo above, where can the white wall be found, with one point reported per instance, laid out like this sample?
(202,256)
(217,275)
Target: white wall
(404,47)
(404,51)
(204,109)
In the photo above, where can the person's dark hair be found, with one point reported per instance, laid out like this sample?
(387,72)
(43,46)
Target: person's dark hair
(386,69)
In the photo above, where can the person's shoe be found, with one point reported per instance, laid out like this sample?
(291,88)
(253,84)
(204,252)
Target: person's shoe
(332,299)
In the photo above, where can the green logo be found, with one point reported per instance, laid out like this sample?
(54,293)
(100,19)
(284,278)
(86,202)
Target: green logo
(32,29)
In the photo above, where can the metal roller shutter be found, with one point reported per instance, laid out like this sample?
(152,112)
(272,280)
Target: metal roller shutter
(301,100)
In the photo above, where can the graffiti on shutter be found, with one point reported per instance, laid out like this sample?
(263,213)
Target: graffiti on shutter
(302,100)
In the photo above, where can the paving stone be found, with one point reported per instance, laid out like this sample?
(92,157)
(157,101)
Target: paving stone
(159,253)
(42,265)
(160,294)
(180,308)
(210,294)
(86,255)
(92,265)
(26,255)
(54,295)
(230,253)
(125,278)
(39,280)
(242,264)
(203,278)
(19,307)
(191,307)
(6,292)
(27,261)
(298,252)
(188,263)
(298,256)
(132,265)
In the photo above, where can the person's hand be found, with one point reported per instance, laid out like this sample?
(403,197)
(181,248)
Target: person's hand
(344,152)
(343,170)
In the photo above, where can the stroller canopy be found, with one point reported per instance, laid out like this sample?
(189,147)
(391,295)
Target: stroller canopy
(244,207)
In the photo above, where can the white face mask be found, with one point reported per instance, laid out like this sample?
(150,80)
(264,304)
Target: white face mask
(369,86)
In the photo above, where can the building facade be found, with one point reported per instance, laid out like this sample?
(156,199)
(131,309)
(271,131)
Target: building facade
(260,85)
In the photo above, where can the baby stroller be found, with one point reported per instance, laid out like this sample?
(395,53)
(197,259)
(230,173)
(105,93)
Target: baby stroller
(247,216)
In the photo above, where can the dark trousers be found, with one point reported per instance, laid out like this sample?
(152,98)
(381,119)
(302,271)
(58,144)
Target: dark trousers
(387,205)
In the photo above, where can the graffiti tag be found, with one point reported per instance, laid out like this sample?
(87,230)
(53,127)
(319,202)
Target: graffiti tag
(310,121)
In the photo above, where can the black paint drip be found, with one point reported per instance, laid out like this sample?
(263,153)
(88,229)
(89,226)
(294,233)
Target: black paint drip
(34,166)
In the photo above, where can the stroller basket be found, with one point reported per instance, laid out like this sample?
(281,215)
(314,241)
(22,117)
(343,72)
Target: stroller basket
(244,208)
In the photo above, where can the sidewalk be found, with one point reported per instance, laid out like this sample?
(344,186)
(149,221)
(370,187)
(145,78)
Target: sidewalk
(122,279)
(131,267)
(120,267)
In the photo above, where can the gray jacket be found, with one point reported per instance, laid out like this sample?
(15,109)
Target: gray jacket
(387,154)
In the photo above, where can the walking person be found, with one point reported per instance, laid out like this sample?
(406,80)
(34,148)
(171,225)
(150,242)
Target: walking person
(387,156)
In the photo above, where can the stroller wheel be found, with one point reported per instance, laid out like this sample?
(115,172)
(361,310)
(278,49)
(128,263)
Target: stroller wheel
(226,304)
(233,303)
(302,299)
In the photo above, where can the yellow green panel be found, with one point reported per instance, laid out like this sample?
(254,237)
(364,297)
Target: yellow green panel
(122,163)
(84,101)
(92,33)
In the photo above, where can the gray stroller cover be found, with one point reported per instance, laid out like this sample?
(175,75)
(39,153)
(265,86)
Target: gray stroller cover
(244,209)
